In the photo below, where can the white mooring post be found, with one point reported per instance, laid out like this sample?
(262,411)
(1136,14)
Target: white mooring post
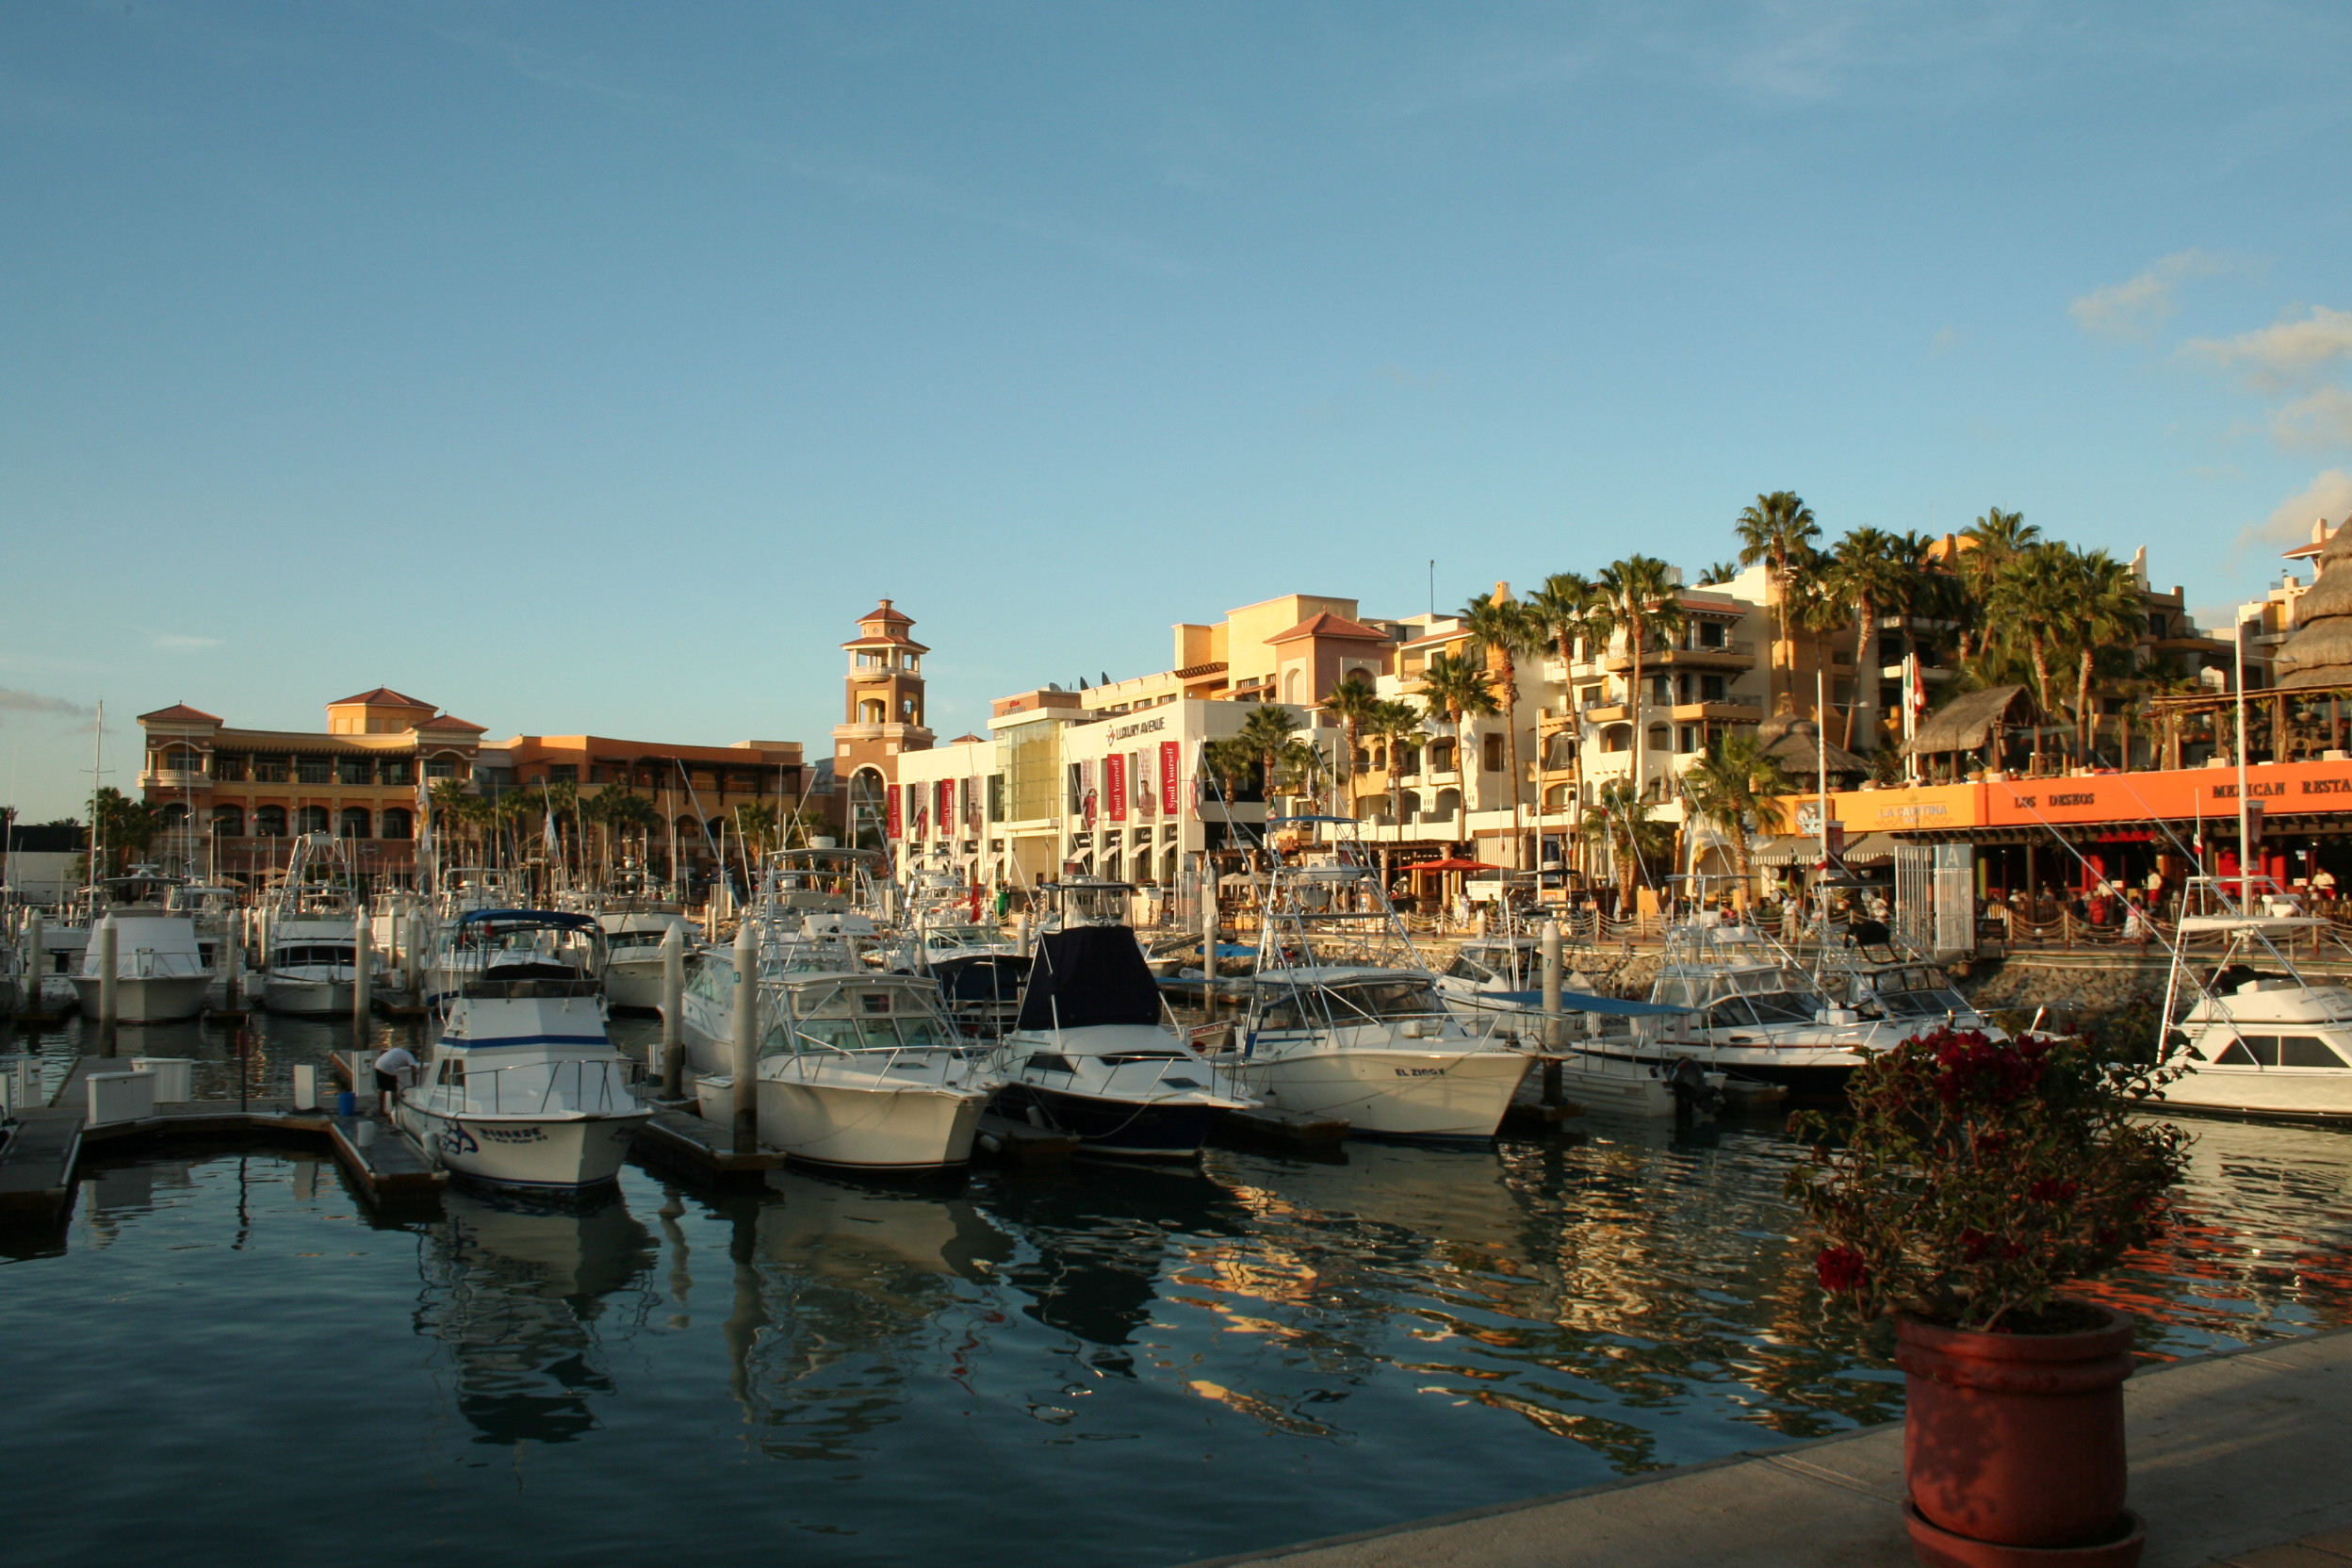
(1551,1012)
(746,1063)
(360,944)
(110,948)
(673,1000)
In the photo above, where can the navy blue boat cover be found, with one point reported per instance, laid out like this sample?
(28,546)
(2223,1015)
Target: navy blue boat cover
(1086,975)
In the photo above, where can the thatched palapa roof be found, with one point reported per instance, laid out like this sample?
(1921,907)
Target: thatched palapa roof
(1969,720)
(1795,744)
(2320,652)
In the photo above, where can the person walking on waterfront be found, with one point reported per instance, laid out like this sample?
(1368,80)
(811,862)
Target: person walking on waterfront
(392,1068)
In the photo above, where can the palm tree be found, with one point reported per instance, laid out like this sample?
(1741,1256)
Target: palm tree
(1736,786)
(1621,822)
(1864,576)
(1352,702)
(1998,538)
(1394,722)
(1636,597)
(1456,685)
(1502,633)
(2108,610)
(1301,767)
(623,810)
(2030,600)
(1267,731)
(1778,530)
(1228,761)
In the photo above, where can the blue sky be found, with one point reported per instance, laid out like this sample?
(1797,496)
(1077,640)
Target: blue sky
(590,366)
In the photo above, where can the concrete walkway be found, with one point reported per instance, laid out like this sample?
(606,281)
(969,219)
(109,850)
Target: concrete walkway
(2238,1458)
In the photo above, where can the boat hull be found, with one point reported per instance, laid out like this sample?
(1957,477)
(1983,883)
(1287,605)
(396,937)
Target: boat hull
(151,999)
(316,998)
(2279,1094)
(554,1154)
(1611,1087)
(1130,1129)
(634,984)
(1456,1096)
(881,1128)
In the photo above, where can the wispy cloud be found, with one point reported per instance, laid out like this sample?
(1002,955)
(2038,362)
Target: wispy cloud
(2283,353)
(2132,311)
(174,642)
(2329,496)
(13,702)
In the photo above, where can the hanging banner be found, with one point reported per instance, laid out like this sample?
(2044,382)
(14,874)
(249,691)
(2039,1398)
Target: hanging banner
(892,818)
(1171,777)
(1115,785)
(944,811)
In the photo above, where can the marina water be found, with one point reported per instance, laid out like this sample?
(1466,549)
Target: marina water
(231,1360)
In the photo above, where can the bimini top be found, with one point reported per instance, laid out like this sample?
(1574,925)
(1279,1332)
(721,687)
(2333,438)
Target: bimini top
(1580,1002)
(1088,975)
(556,918)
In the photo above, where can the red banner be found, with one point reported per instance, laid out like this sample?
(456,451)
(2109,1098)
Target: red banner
(944,811)
(1171,777)
(892,820)
(1115,785)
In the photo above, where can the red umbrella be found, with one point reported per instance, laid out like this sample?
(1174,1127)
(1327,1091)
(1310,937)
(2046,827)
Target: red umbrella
(1454,864)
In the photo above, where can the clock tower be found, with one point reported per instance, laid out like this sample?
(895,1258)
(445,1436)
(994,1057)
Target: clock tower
(882,715)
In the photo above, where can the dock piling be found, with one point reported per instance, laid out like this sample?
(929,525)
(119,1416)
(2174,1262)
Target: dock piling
(35,961)
(746,1042)
(109,945)
(1551,1012)
(673,999)
(360,933)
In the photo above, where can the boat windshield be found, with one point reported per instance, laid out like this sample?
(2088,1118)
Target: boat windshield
(1353,1001)
(961,935)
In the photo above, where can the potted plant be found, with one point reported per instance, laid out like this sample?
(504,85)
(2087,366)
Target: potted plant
(1974,1179)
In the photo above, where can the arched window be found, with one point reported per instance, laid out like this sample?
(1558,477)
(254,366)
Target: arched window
(229,821)
(1617,737)
(1662,737)
(1560,749)
(311,818)
(1493,759)
(394,824)
(1409,802)
(1368,808)
(269,822)
(1290,683)
(175,814)
(872,711)
(1408,759)
(1440,755)
(1448,802)
(1560,797)
(355,824)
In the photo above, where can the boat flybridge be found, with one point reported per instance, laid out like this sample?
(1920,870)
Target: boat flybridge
(524,1087)
(309,966)
(1867,967)
(1093,1052)
(162,972)
(513,944)
(978,968)
(2252,1032)
(861,1071)
(1345,1019)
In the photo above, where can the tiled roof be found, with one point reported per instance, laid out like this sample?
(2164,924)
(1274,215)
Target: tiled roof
(1324,624)
(179,712)
(383,697)
(450,720)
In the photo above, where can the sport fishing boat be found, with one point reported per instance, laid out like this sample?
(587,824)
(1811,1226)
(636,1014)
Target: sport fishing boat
(1345,1019)
(1093,1054)
(513,944)
(859,1071)
(978,969)
(160,967)
(525,1087)
(633,938)
(2252,1033)
(311,927)
(1744,1005)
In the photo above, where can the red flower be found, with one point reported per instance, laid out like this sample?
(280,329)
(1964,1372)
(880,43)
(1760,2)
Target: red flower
(1840,1270)
(1974,1242)
(2051,1190)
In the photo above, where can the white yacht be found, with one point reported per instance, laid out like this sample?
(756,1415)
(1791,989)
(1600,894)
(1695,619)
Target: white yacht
(1093,1054)
(2253,1034)
(525,1087)
(312,934)
(633,937)
(978,968)
(858,1071)
(160,972)
(1742,1005)
(1346,1021)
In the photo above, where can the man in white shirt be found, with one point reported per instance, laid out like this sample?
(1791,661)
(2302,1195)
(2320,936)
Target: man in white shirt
(392,1069)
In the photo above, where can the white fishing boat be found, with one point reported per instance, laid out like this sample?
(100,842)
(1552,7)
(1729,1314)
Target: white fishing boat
(2251,1031)
(1346,1021)
(312,934)
(633,938)
(1743,1007)
(524,1087)
(861,1072)
(1094,1053)
(160,967)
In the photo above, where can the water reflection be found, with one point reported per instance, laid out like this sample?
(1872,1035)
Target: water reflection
(516,1288)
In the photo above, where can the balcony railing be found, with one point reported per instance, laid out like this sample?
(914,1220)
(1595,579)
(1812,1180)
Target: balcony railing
(173,778)
(1735,652)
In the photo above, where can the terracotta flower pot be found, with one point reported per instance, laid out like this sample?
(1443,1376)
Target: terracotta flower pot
(2016,1440)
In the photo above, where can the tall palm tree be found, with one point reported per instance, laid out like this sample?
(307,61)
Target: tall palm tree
(1864,576)
(1620,820)
(1267,731)
(1636,597)
(1352,702)
(1228,761)
(1457,685)
(1502,633)
(1997,537)
(623,812)
(1394,722)
(1737,786)
(2030,600)
(1566,605)
(2108,612)
(1777,530)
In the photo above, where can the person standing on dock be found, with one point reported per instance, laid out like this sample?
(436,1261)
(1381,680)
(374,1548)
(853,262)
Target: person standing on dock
(392,1068)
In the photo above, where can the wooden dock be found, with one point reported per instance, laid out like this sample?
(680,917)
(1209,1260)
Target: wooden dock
(678,1137)
(1264,1125)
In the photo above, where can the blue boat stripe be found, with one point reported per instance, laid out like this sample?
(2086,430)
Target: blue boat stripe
(527,1039)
